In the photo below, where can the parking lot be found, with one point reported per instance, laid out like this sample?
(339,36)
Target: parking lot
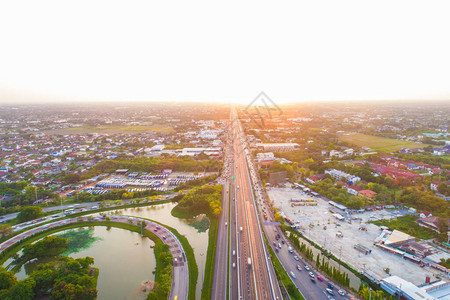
(319,224)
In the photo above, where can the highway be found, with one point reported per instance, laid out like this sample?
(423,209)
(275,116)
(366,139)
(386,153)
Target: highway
(219,288)
(241,235)
(256,280)
(310,289)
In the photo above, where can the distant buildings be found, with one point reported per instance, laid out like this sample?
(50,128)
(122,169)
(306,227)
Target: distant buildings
(277,147)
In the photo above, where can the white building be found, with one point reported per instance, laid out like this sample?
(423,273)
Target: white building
(209,134)
(155,148)
(338,175)
(195,151)
(399,287)
(268,156)
(277,147)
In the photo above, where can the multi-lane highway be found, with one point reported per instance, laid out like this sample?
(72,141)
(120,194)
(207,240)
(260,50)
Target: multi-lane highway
(243,269)
(242,255)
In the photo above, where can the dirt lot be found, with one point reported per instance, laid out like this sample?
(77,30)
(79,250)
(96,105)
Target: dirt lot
(320,216)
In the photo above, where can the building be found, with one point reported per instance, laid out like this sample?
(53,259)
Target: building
(429,222)
(398,238)
(209,134)
(313,179)
(266,158)
(277,147)
(212,151)
(155,148)
(403,289)
(277,177)
(439,289)
(338,175)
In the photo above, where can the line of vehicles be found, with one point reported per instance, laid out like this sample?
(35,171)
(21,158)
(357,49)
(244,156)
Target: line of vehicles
(277,245)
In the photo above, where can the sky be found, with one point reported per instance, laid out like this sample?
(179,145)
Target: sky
(230,51)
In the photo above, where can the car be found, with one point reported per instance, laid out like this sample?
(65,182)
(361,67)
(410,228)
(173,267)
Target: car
(341,292)
(226,223)
(311,274)
(307,268)
(234,252)
(320,278)
(234,265)
(296,258)
(293,275)
(299,268)
(276,250)
(282,242)
(330,292)
(312,279)
(330,286)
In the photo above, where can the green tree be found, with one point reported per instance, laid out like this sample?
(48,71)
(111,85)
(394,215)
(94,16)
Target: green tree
(72,178)
(30,213)
(7,279)
(48,246)
(23,290)
(44,280)
(443,189)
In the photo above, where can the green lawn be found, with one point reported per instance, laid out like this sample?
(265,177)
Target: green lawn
(378,143)
(408,224)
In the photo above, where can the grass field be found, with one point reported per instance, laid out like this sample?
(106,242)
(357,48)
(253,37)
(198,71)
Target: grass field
(378,143)
(112,129)
(408,225)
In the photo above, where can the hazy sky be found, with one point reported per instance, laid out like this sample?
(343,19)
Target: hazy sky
(228,51)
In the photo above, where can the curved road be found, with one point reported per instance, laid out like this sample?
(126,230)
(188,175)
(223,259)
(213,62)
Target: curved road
(180,270)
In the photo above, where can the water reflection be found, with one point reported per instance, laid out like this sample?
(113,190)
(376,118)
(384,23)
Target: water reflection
(197,240)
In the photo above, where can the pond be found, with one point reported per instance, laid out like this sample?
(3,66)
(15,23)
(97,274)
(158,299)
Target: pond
(197,240)
(124,259)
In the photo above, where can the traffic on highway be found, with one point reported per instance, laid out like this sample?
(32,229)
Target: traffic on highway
(244,261)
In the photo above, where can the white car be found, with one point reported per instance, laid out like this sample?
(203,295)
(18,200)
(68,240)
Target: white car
(341,292)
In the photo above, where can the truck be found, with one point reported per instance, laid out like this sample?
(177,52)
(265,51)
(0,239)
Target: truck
(249,262)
